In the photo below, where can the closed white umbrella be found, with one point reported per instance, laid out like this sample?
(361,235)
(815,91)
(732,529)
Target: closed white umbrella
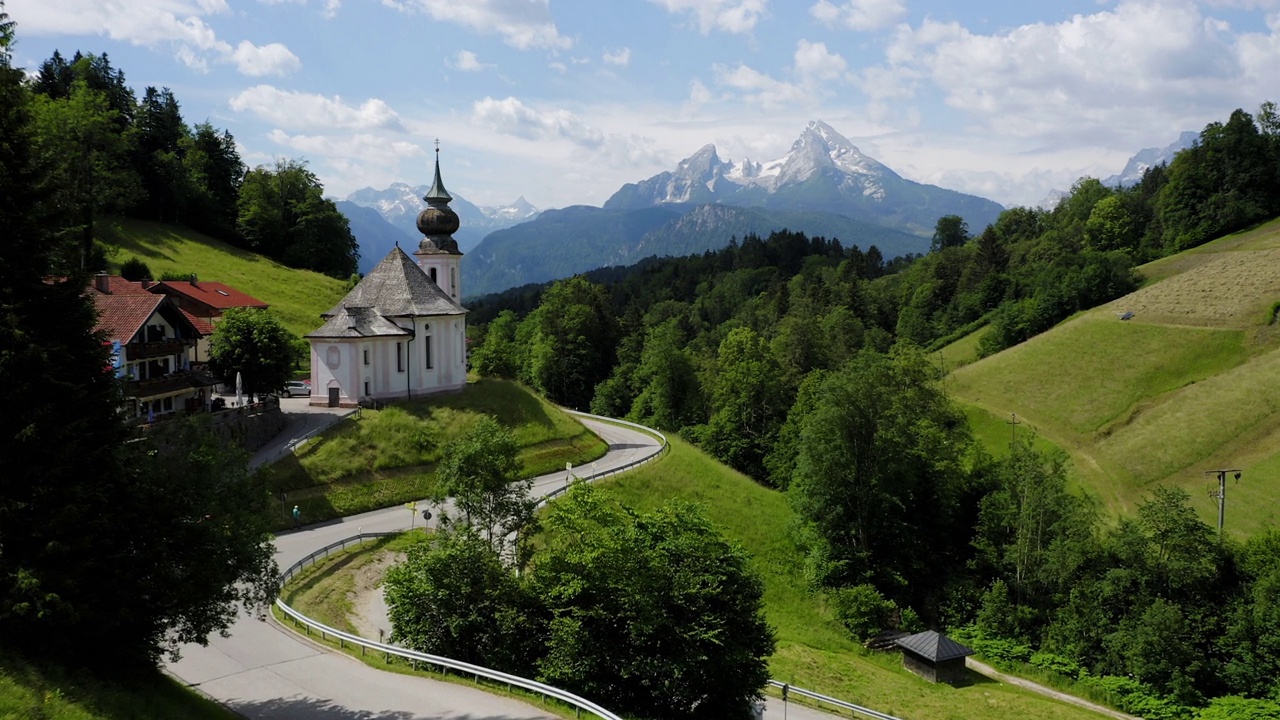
(238,386)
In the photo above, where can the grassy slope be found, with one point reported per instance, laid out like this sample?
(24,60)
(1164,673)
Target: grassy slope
(1185,386)
(28,690)
(382,458)
(813,651)
(297,297)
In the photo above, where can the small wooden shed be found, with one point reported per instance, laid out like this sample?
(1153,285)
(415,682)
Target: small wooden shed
(934,656)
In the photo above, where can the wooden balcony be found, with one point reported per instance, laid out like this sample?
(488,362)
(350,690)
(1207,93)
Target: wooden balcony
(171,383)
(143,351)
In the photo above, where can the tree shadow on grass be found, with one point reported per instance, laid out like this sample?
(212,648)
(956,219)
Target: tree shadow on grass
(299,708)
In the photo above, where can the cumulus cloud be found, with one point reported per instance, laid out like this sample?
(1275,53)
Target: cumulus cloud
(731,16)
(1105,72)
(271,59)
(814,62)
(286,108)
(759,88)
(467,61)
(621,57)
(151,23)
(522,25)
(512,117)
(859,14)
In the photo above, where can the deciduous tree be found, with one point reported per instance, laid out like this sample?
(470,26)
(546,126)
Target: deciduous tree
(255,345)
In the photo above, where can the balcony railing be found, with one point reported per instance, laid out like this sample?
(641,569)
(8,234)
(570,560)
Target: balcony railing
(142,351)
(171,383)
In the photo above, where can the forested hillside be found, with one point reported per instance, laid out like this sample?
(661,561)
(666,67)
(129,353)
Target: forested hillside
(111,153)
(800,362)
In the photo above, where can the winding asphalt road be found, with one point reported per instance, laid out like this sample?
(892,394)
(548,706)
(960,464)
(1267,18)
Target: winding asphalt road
(266,672)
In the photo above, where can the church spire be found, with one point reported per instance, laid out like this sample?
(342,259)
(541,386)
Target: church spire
(437,193)
(438,222)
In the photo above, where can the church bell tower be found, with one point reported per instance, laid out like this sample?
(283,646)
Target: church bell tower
(438,253)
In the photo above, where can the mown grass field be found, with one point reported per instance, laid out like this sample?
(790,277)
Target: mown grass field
(297,297)
(381,458)
(1185,386)
(38,691)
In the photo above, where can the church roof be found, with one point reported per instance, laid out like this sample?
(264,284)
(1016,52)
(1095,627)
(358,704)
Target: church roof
(358,322)
(933,645)
(397,287)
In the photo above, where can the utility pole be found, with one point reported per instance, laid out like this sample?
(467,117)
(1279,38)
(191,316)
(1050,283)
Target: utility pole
(1221,495)
(1013,430)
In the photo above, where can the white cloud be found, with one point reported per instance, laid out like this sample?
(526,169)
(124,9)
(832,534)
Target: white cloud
(860,14)
(621,57)
(361,146)
(698,93)
(761,89)
(523,24)
(331,8)
(512,117)
(731,16)
(149,23)
(814,62)
(271,59)
(305,110)
(467,61)
(1113,74)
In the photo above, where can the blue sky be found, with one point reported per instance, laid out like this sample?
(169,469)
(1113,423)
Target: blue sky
(563,101)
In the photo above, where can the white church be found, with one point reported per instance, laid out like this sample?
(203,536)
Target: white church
(401,332)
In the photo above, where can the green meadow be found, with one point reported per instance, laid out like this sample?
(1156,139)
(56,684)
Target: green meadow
(1184,387)
(381,458)
(297,297)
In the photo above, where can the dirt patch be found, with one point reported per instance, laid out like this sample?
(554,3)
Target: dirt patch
(368,607)
(1233,290)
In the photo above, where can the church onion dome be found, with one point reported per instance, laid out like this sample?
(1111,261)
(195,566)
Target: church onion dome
(438,222)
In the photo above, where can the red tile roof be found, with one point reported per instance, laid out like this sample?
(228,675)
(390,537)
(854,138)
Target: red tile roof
(213,294)
(121,316)
(117,285)
(203,326)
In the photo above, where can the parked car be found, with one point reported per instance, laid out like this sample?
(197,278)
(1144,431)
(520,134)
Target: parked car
(296,388)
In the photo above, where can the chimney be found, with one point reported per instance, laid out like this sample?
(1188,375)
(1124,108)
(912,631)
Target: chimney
(146,284)
(193,280)
(102,283)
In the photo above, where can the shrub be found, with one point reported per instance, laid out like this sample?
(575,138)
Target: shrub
(134,270)
(862,610)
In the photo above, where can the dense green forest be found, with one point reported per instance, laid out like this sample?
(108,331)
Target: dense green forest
(801,363)
(111,154)
(114,550)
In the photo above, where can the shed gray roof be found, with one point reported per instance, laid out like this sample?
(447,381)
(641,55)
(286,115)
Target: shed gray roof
(934,646)
(358,322)
(397,287)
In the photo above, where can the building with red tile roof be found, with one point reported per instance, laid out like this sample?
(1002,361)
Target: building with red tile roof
(152,343)
(206,299)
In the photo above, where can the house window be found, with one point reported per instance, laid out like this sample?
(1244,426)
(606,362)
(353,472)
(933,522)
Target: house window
(366,356)
(366,388)
(399,357)
(427,347)
(433,275)
(453,282)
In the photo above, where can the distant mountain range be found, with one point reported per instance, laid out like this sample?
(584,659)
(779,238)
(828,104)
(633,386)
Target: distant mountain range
(1150,157)
(1133,169)
(823,186)
(822,172)
(398,206)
